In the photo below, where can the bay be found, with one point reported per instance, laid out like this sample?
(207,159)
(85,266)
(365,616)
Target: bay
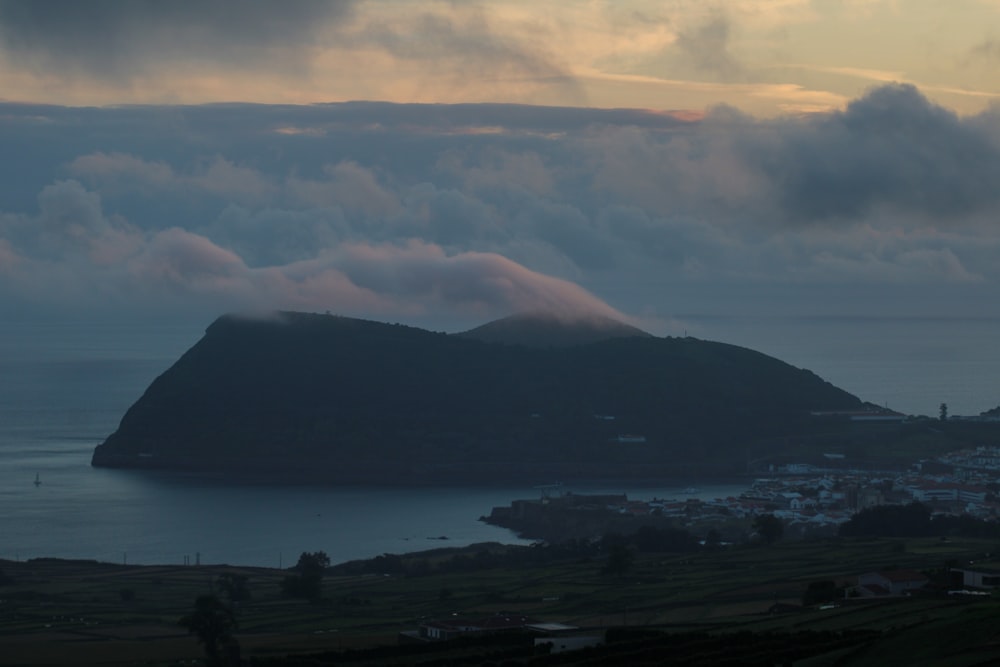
(64,388)
(153,517)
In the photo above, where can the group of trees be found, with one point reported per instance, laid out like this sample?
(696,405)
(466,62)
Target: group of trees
(619,549)
(214,623)
(234,586)
(912,520)
(214,617)
(915,520)
(647,539)
(821,591)
(307,581)
(472,559)
(769,527)
(612,549)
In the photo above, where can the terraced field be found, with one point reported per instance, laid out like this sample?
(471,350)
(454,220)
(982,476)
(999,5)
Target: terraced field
(66,612)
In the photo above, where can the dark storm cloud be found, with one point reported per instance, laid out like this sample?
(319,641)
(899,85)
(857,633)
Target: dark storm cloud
(112,38)
(455,45)
(464,46)
(387,209)
(893,148)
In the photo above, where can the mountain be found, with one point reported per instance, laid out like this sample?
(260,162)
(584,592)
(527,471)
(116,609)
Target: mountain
(348,400)
(552,330)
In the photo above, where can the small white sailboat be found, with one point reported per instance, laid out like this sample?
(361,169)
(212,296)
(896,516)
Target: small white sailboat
(38,480)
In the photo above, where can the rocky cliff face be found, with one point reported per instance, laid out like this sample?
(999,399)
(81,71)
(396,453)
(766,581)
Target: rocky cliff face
(343,399)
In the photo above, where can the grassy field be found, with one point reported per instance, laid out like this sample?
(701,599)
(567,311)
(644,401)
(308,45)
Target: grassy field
(66,612)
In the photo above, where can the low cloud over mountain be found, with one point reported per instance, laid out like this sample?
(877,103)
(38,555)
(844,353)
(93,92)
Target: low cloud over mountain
(475,211)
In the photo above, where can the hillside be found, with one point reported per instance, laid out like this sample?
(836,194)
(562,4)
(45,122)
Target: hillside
(343,399)
(707,607)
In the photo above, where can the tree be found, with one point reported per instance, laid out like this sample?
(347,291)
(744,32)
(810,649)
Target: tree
(913,520)
(619,560)
(233,586)
(943,412)
(821,591)
(649,539)
(214,624)
(713,539)
(308,581)
(769,527)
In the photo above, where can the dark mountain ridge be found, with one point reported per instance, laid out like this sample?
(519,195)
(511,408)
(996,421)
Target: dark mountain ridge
(348,400)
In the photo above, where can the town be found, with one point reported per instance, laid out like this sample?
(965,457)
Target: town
(810,500)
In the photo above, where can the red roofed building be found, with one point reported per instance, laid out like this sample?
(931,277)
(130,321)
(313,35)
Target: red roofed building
(891,582)
(449,628)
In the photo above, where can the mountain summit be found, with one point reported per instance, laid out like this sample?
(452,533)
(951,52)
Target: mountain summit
(542,329)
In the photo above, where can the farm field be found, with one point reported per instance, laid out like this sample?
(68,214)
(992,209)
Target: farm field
(56,612)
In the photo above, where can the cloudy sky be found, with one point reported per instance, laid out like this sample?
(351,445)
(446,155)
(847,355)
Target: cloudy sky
(443,163)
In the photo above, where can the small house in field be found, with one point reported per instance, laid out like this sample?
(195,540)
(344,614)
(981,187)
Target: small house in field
(451,628)
(891,582)
(559,637)
(985,578)
(575,643)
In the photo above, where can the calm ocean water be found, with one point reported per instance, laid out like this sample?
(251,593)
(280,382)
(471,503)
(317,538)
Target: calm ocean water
(63,389)
(910,364)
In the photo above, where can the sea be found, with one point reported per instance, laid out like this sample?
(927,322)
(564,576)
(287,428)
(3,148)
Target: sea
(64,388)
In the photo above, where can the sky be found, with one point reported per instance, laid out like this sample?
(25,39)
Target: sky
(446,163)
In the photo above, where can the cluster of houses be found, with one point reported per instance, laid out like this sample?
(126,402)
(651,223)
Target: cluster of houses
(549,637)
(809,500)
(815,500)
(963,482)
(806,498)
